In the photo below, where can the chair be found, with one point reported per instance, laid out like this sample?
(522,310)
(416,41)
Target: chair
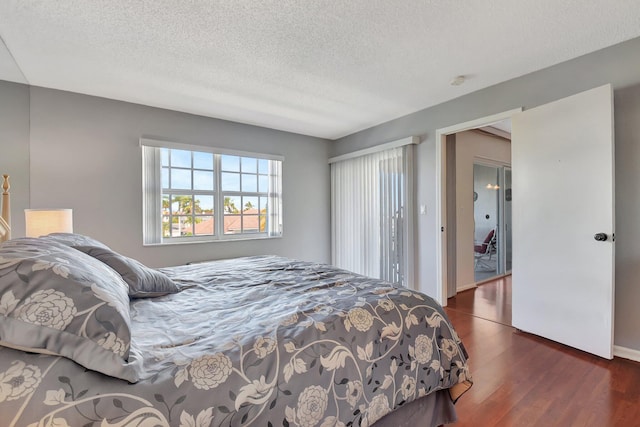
(484,251)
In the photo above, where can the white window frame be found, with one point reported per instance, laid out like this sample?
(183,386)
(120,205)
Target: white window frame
(152,194)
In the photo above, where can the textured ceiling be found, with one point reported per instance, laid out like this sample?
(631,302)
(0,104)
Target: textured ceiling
(325,68)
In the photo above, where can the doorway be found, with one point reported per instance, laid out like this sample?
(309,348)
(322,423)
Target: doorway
(475,206)
(443,212)
(555,141)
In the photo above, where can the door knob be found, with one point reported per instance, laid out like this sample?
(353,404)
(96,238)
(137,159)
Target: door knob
(600,237)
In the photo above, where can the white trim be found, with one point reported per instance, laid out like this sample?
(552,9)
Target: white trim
(160,143)
(497,132)
(441,192)
(179,241)
(409,248)
(478,123)
(382,147)
(626,353)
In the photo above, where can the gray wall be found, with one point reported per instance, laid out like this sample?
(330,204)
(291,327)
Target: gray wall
(14,148)
(617,65)
(85,155)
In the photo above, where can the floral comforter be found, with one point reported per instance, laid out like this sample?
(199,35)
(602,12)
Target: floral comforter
(260,341)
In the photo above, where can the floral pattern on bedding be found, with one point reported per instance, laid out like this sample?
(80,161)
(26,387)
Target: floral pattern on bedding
(57,300)
(260,341)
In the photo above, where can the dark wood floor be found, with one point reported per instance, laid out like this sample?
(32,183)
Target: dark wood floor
(491,301)
(523,380)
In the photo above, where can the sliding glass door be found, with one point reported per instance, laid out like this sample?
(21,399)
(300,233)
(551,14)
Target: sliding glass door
(492,221)
(507,244)
(371,214)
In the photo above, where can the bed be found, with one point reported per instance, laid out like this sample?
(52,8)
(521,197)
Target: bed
(90,337)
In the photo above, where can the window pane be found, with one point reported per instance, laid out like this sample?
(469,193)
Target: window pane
(250,205)
(202,160)
(203,180)
(263,166)
(181,204)
(164,156)
(181,179)
(183,226)
(230,181)
(249,182)
(166,227)
(165,204)
(232,205)
(250,223)
(204,204)
(204,226)
(165,177)
(263,223)
(181,158)
(263,205)
(263,181)
(175,228)
(232,224)
(230,163)
(249,164)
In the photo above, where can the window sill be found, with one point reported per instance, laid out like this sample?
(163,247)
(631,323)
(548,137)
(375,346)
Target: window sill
(195,242)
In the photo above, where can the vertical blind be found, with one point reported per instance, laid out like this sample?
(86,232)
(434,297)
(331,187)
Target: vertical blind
(370,214)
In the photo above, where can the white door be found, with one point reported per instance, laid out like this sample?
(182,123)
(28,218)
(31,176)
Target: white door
(563,182)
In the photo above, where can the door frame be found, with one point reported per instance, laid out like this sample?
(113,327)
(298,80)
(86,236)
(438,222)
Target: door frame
(441,193)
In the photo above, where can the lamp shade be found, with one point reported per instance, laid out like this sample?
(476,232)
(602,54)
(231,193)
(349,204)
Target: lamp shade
(40,222)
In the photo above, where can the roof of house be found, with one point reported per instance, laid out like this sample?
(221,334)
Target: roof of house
(232,223)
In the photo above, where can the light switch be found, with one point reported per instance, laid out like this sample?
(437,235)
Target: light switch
(423,209)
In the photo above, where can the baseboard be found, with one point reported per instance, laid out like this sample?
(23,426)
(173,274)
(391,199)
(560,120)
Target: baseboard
(626,353)
(465,287)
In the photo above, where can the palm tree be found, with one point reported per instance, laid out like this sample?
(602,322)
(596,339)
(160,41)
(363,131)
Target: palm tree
(263,219)
(229,206)
(186,209)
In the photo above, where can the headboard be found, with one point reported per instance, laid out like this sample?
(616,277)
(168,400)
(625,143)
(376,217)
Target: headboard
(5,217)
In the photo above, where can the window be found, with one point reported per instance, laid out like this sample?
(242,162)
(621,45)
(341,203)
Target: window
(201,194)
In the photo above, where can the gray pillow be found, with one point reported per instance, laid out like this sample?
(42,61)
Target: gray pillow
(143,281)
(57,300)
(73,240)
